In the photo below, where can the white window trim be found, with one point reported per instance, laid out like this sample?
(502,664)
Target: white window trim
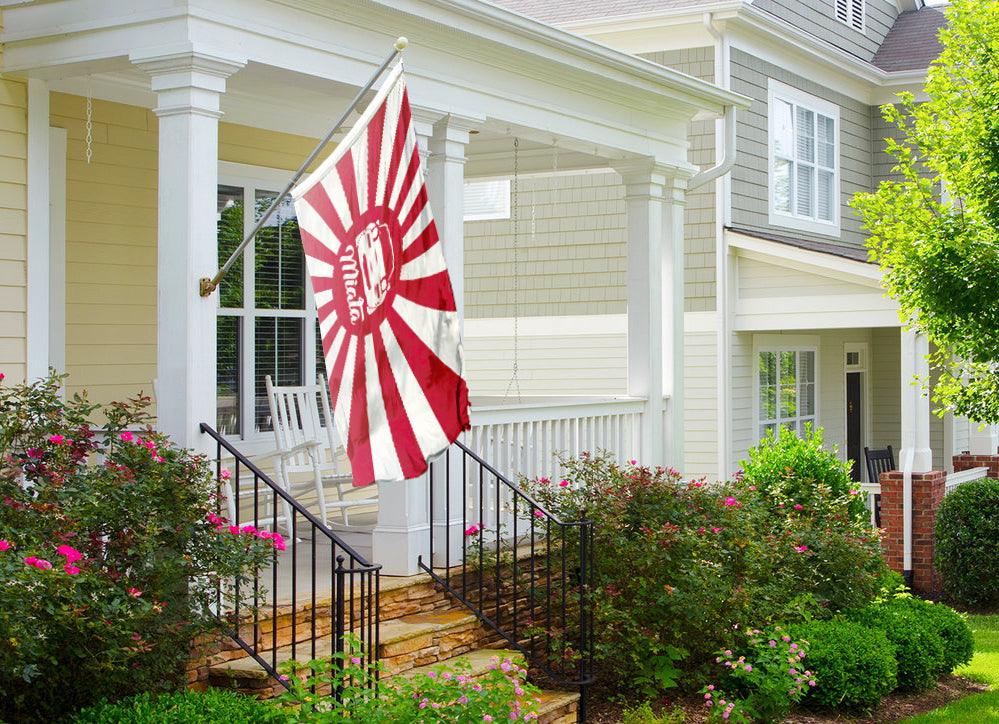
(776,89)
(849,16)
(784,343)
(252,179)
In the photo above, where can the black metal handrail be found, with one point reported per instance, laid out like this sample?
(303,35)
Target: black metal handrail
(519,568)
(348,600)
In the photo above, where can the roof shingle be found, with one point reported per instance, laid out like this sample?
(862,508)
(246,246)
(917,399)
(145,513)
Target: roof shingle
(912,42)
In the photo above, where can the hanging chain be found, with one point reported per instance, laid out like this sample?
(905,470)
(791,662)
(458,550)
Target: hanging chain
(90,121)
(514,383)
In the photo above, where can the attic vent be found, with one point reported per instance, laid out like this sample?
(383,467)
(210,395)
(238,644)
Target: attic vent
(850,12)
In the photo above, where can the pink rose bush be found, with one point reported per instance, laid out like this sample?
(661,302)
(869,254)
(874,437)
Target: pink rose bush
(682,568)
(108,558)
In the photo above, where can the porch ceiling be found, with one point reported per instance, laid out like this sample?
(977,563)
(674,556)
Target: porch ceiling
(304,57)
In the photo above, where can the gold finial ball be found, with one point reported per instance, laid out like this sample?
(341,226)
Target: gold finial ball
(401,42)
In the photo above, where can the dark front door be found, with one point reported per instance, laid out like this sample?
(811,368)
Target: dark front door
(854,444)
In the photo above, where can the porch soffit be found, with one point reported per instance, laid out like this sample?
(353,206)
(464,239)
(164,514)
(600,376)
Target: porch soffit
(465,57)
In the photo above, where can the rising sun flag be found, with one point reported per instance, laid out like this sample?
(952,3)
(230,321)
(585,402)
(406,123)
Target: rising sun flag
(390,329)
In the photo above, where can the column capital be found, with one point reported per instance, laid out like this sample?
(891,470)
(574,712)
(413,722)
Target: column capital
(650,178)
(187,80)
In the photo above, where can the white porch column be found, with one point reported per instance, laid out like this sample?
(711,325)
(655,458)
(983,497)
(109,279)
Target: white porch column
(916,455)
(655,197)
(446,189)
(983,439)
(37,317)
(188,86)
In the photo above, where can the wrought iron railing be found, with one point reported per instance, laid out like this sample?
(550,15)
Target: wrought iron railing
(520,569)
(313,593)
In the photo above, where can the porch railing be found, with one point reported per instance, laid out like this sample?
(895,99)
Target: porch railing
(520,569)
(319,588)
(523,439)
(954,480)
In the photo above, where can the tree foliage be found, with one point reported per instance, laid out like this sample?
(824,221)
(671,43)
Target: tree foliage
(935,226)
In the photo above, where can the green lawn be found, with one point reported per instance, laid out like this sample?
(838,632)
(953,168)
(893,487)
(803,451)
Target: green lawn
(985,668)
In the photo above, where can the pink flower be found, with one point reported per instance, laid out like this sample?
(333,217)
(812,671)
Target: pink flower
(707,696)
(279,543)
(226,474)
(56,439)
(773,643)
(486,717)
(730,501)
(2,376)
(472,529)
(811,682)
(539,513)
(263,535)
(134,592)
(69,553)
(126,436)
(749,667)
(463,699)
(544,480)
(30,560)
(5,545)
(71,569)
(234,529)
(248,529)
(799,506)
(632,462)
(801,548)
(715,530)
(563,483)
(283,677)
(42,564)
(34,452)
(854,492)
(158,459)
(355,660)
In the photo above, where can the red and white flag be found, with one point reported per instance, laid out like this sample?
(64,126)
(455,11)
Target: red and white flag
(386,307)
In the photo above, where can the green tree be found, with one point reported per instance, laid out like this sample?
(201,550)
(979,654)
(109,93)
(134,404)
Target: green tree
(935,228)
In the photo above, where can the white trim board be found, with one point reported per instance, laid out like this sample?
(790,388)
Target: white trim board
(37,316)
(57,248)
(807,260)
(577,325)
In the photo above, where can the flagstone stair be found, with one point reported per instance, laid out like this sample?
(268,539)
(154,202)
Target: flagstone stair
(421,629)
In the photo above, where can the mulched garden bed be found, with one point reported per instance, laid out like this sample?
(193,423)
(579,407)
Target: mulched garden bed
(895,707)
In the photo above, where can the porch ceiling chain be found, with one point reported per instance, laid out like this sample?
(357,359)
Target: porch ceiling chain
(90,120)
(514,384)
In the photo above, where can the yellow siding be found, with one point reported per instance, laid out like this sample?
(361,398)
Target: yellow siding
(110,247)
(13,227)
(111,237)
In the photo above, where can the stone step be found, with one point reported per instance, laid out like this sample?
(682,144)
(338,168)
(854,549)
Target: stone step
(558,707)
(479,662)
(404,643)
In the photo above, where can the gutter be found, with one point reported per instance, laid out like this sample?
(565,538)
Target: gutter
(727,161)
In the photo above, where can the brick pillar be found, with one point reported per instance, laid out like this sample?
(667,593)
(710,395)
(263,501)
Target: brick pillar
(927,494)
(966,461)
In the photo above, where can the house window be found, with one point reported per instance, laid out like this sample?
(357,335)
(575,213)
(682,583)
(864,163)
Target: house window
(786,390)
(487,200)
(850,12)
(266,317)
(804,161)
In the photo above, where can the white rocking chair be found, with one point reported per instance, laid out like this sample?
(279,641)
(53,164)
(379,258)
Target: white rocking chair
(305,445)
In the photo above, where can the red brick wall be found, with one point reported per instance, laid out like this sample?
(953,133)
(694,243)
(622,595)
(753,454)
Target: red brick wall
(928,491)
(965,461)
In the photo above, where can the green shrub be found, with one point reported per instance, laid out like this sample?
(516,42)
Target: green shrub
(919,648)
(854,664)
(967,543)
(209,707)
(108,557)
(643,714)
(952,628)
(704,561)
(794,469)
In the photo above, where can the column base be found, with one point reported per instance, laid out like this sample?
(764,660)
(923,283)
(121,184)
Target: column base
(398,550)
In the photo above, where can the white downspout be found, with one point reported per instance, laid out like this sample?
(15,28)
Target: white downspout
(725,137)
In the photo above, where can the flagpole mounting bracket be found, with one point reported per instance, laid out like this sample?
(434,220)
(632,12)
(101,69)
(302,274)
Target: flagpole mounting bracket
(206,286)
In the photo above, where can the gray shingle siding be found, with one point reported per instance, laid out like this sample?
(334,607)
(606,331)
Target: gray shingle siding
(750,177)
(699,219)
(818,18)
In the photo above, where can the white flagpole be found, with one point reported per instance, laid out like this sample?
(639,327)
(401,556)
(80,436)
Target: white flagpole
(206,285)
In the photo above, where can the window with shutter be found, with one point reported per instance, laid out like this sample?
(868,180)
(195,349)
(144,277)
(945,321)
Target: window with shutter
(804,177)
(487,200)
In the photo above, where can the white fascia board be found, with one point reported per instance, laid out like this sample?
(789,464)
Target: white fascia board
(815,320)
(743,24)
(812,262)
(576,325)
